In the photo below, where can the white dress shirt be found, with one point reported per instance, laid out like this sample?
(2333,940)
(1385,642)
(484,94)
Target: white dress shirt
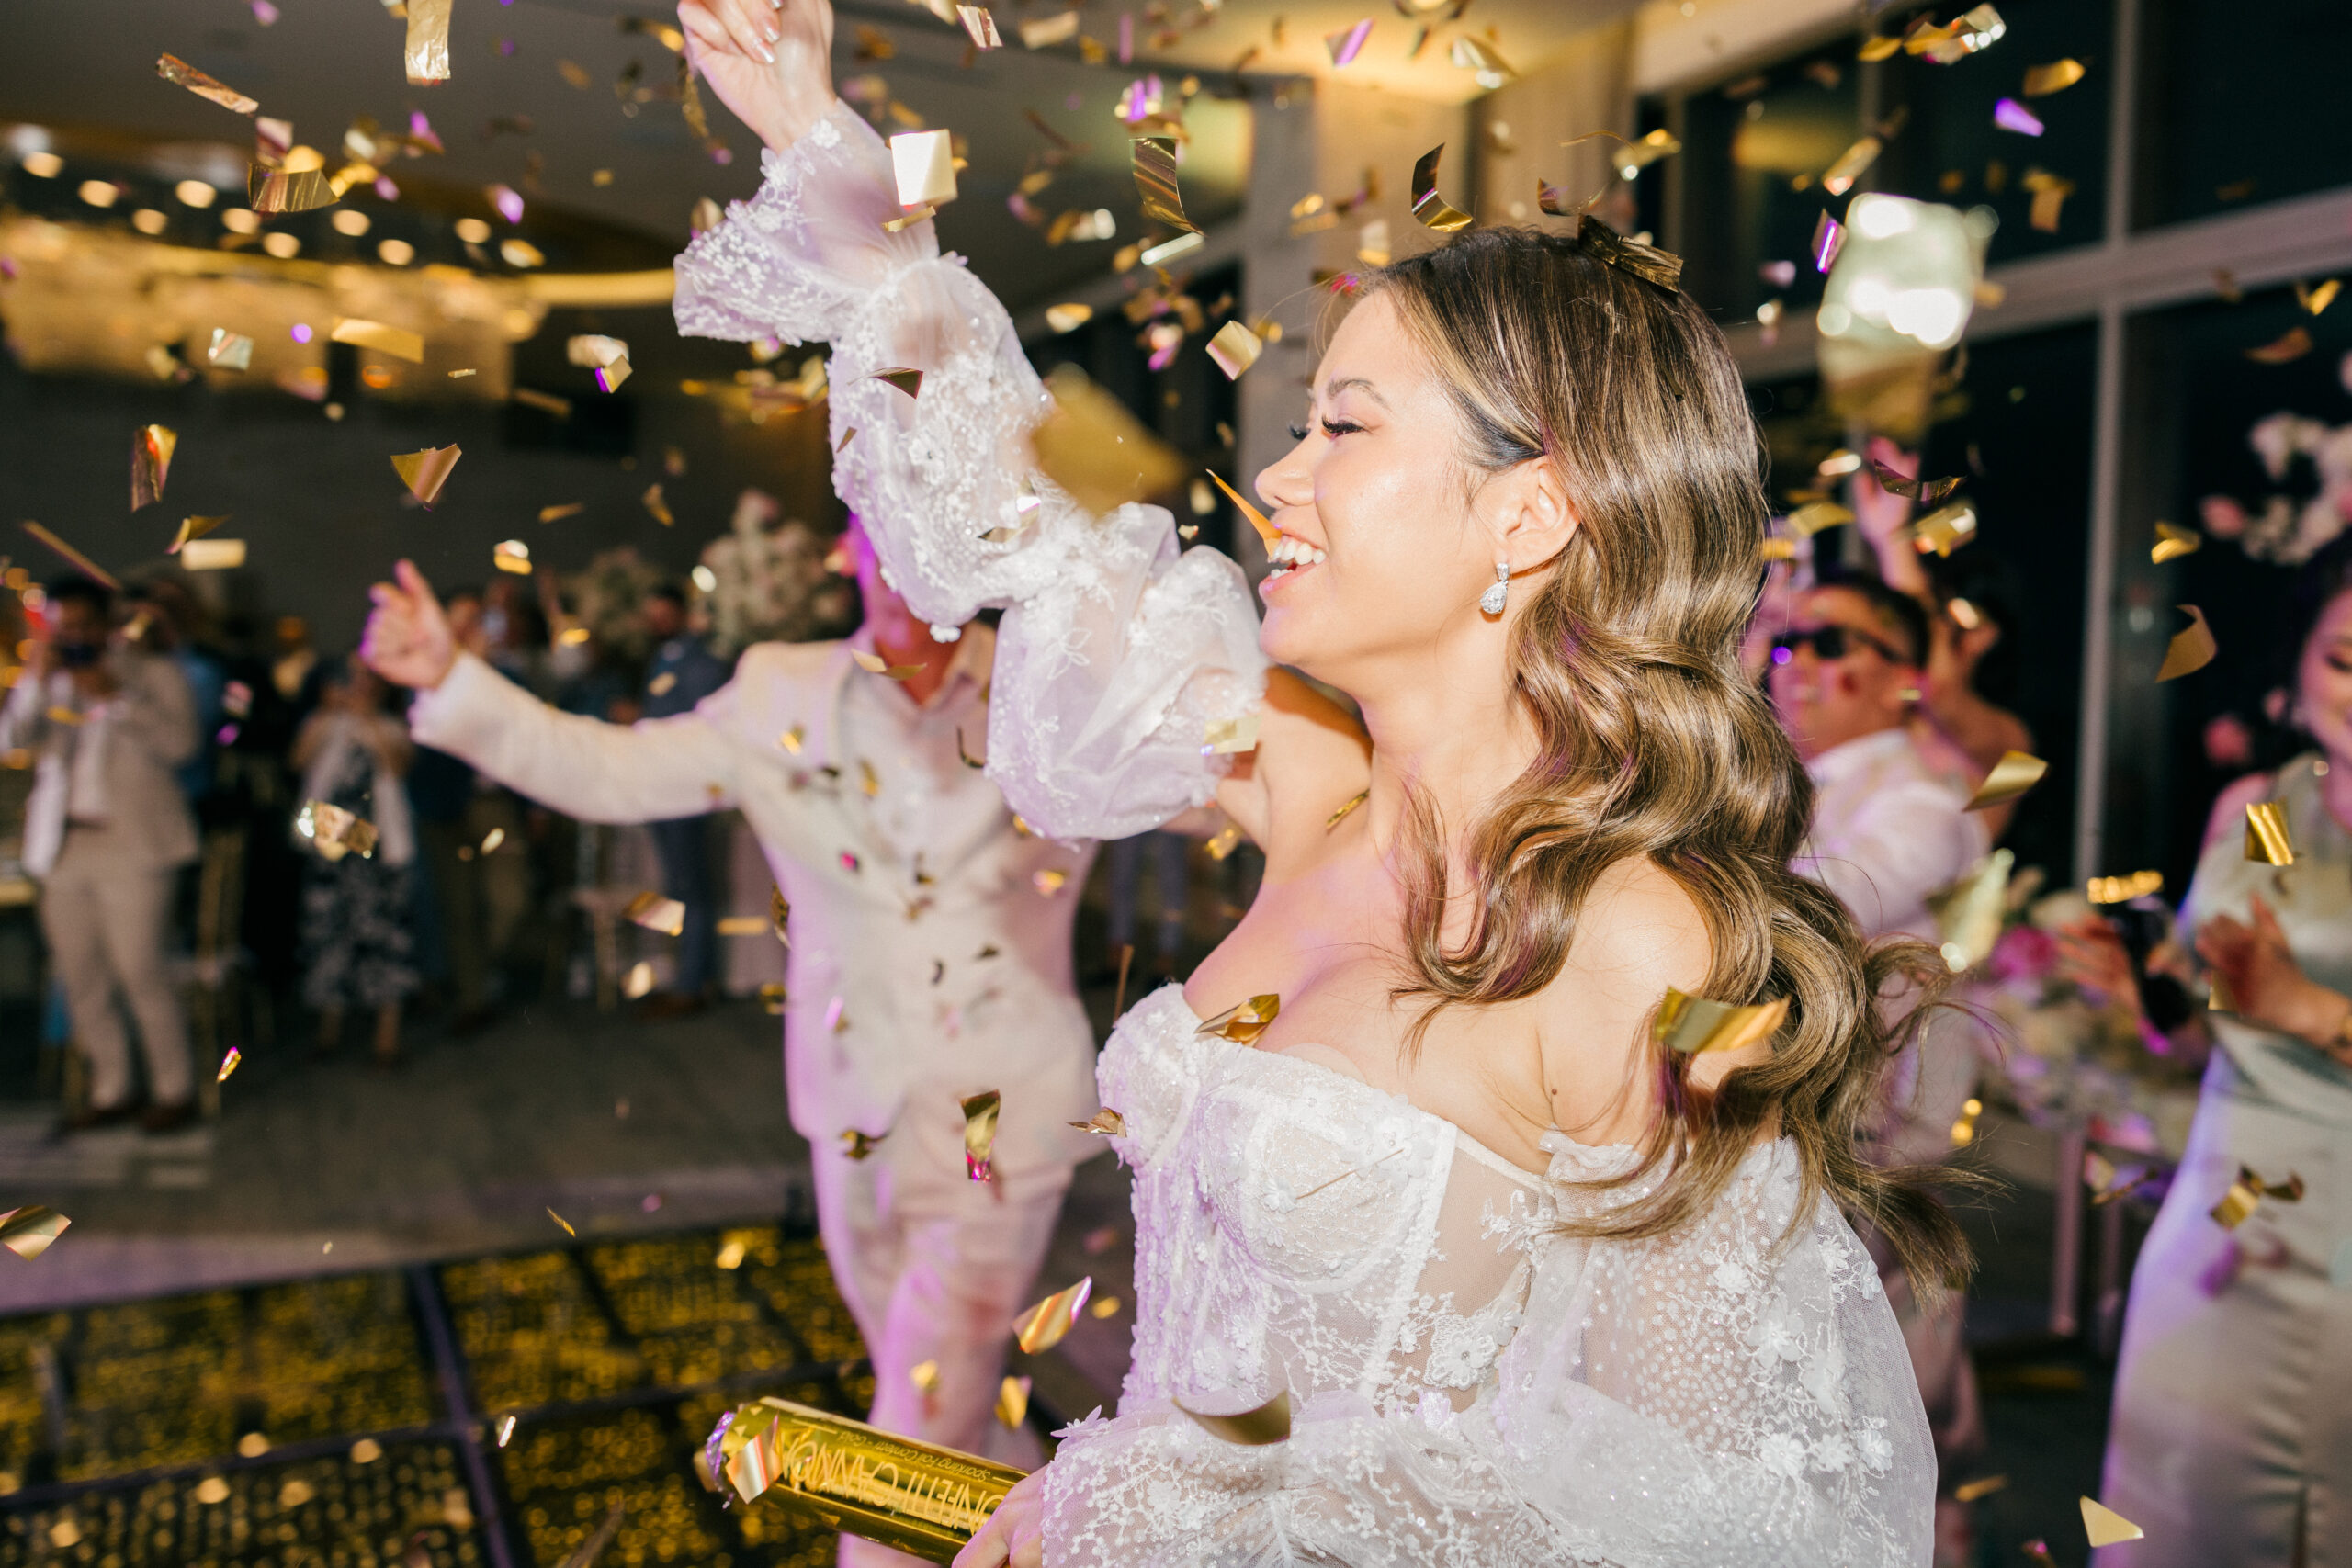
(1887,832)
(930,934)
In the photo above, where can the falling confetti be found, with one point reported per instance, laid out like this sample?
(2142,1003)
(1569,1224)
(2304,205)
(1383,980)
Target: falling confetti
(2192,649)
(228,1065)
(398,342)
(558,1219)
(1269,1423)
(1043,1326)
(907,381)
(193,528)
(1234,348)
(979,1133)
(335,831)
(2283,350)
(427,55)
(426,472)
(1244,1021)
(173,69)
(656,913)
(924,1375)
(858,1145)
(2010,115)
(1969,1491)
(923,163)
(1267,532)
(28,1232)
(638,982)
(1340,815)
(1107,1122)
(1430,207)
(2246,1193)
(1347,43)
(2105,1526)
(1693,1025)
(980,24)
(230,351)
(1012,1395)
(1223,736)
(874,664)
(2173,541)
(2040,81)
(2015,774)
(655,505)
(151,463)
(1154,159)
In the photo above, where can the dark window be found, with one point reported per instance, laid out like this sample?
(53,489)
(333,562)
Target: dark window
(2243,104)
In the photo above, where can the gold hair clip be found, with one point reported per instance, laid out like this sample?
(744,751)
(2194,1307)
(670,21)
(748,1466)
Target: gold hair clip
(1646,262)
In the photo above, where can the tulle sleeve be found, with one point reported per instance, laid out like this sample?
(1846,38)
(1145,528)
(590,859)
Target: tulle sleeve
(1116,649)
(1720,1395)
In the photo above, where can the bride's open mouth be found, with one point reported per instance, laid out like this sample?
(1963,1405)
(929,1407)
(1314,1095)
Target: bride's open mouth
(1291,556)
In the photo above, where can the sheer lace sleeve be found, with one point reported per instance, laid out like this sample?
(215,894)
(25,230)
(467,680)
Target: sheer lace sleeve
(1116,649)
(1754,1393)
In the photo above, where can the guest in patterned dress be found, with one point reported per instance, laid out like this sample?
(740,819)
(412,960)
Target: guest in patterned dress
(358,945)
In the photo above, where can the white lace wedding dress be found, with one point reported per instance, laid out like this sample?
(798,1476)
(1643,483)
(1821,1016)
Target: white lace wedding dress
(1469,1387)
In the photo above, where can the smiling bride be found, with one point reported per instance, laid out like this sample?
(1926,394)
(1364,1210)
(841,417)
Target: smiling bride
(1539,1285)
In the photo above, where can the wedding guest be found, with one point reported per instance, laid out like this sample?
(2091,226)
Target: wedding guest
(358,941)
(682,671)
(2232,1435)
(930,954)
(106,830)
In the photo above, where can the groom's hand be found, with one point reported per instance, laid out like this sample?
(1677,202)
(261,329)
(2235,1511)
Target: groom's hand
(408,640)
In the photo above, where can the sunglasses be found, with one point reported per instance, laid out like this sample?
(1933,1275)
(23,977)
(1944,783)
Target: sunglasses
(1830,642)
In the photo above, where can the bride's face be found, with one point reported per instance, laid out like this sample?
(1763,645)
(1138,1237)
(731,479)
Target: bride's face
(1375,512)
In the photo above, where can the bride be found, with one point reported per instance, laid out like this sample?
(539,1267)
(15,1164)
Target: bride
(1538,1289)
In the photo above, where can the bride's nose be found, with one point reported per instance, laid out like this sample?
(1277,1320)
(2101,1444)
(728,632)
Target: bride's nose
(1287,480)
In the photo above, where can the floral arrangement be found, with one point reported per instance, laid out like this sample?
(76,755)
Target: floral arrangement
(2071,1055)
(2287,531)
(770,581)
(608,599)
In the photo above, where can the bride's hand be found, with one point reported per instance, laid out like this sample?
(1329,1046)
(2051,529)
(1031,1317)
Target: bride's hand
(1015,1533)
(769,61)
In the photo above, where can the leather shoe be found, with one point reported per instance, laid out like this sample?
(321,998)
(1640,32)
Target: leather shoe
(168,1118)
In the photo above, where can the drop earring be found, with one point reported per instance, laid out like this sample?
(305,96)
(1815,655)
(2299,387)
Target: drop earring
(1493,599)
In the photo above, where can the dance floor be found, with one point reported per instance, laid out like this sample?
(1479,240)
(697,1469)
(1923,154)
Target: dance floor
(357,1420)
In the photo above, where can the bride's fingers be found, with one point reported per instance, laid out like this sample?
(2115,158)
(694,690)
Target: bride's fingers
(704,30)
(751,38)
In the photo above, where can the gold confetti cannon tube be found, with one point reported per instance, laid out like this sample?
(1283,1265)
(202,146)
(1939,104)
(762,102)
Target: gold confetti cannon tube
(916,1497)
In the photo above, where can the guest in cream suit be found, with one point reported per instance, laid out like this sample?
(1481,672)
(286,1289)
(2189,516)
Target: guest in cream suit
(106,829)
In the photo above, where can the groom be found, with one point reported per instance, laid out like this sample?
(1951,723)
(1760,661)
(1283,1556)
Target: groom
(930,937)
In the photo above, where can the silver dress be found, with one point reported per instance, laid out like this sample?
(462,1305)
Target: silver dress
(2232,1439)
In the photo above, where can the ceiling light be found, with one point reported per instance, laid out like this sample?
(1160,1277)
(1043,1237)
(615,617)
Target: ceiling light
(99,192)
(147,220)
(237,221)
(350,223)
(195,193)
(520,253)
(285,247)
(396,252)
(43,166)
(473,231)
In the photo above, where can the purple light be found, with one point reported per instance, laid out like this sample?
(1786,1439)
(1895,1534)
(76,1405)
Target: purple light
(509,202)
(227,736)
(506,45)
(386,189)
(1783,655)
(722,154)
(2011,115)
(1829,238)
(301,332)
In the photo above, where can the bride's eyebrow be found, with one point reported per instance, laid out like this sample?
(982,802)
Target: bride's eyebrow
(1357,383)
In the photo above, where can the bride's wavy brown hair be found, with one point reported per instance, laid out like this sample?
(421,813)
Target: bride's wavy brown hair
(1653,740)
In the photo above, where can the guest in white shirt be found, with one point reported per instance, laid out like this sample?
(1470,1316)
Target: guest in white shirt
(929,952)
(1889,831)
(106,829)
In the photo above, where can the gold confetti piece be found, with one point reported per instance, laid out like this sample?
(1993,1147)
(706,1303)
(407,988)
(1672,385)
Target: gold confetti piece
(1652,266)
(1964,1131)
(742,925)
(924,165)
(2040,81)
(2284,350)
(1047,32)
(398,342)
(2192,649)
(230,351)
(558,513)
(924,1375)
(979,1133)
(1880,47)
(174,70)
(151,446)
(965,757)
(1047,883)
(426,56)
(1428,206)
(1267,532)
(981,26)
(2315,300)
(426,472)
(907,381)
(874,664)
(1815,515)
(2173,541)
(335,832)
(1234,348)
(1107,1122)
(2266,833)
(2015,774)
(1270,1423)
(656,913)
(228,1065)
(1119,992)
(1969,913)
(2105,1526)
(1223,736)
(1043,1326)
(1693,1025)
(213,555)
(1244,1021)
(657,507)
(793,739)
(638,982)
(1108,1307)
(461,375)
(1777,549)
(512,555)
(1945,529)
(28,1232)
(2050,194)
(595,351)
(1096,450)
(2123,889)
(194,529)
(64,716)
(546,403)
(505,1431)
(858,1145)
(1927,492)
(491,839)
(79,561)
(1154,158)
(1013,1394)
(1341,813)
(289,190)
(1839,177)
(1167,251)
(1471,54)
(558,1219)
(1969,1491)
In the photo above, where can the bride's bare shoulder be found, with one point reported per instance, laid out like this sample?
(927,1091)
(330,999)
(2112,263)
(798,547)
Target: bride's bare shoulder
(1638,932)
(1312,757)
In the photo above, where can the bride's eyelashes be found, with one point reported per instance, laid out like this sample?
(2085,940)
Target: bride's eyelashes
(1335,428)
(1298,433)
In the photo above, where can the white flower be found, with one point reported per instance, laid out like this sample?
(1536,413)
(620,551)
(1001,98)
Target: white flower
(1878,1455)
(1783,1453)
(1833,1452)
(825,135)
(1732,1278)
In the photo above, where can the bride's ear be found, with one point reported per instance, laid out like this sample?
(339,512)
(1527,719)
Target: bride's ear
(1536,519)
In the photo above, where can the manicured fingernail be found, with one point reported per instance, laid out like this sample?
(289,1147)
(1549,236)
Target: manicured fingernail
(774,36)
(767,54)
